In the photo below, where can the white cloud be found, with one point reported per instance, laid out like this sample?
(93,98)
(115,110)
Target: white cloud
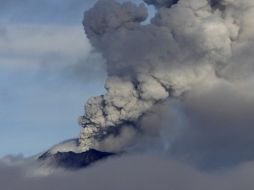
(44,40)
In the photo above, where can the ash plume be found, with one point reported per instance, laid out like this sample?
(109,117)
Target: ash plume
(190,50)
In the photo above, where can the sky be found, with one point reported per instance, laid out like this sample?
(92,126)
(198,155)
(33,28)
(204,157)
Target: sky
(40,96)
(42,93)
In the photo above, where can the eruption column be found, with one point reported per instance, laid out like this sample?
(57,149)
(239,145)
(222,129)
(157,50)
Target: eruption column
(186,44)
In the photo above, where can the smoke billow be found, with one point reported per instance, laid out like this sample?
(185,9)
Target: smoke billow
(130,172)
(195,57)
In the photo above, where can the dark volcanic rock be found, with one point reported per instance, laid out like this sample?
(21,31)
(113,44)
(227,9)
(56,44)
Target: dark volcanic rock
(72,160)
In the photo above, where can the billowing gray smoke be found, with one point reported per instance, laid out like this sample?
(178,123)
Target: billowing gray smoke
(190,48)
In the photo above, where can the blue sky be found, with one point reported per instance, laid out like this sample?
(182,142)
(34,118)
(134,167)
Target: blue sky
(41,97)
(47,72)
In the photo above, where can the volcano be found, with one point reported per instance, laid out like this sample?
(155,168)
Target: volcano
(65,155)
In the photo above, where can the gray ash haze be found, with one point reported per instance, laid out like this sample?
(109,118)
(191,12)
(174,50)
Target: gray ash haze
(135,172)
(179,99)
(182,83)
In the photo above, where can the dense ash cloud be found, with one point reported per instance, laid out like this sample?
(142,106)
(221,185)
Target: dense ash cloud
(131,172)
(182,83)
